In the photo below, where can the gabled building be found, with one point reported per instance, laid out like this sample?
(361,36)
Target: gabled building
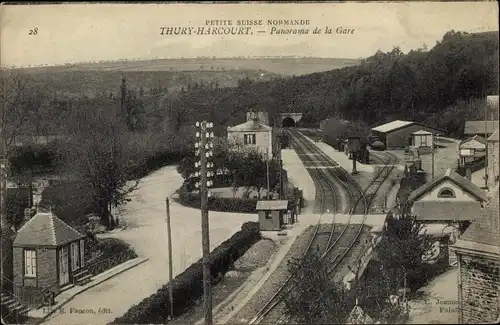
(398,134)
(450,198)
(253,134)
(47,254)
(482,128)
(478,255)
(471,149)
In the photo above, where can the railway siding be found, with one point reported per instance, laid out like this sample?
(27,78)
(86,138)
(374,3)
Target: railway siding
(274,282)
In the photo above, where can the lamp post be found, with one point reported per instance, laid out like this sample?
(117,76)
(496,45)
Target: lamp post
(354,146)
(434,137)
(204,148)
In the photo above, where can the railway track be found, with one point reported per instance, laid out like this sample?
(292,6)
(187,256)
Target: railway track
(336,249)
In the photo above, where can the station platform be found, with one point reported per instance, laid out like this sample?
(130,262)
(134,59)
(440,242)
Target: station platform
(341,158)
(299,176)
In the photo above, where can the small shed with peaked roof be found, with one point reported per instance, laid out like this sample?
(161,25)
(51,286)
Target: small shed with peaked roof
(271,214)
(472,148)
(47,252)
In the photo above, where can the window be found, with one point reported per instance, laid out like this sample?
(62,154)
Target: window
(423,141)
(269,214)
(249,138)
(446,193)
(75,258)
(30,262)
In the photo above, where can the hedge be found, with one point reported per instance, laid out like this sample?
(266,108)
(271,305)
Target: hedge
(188,286)
(224,204)
(154,162)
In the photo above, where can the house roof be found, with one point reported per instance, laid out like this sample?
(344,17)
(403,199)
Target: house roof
(452,176)
(45,229)
(249,126)
(475,142)
(272,205)
(485,229)
(494,136)
(391,126)
(446,210)
(422,132)
(477,127)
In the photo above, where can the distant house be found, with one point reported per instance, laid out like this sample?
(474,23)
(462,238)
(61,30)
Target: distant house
(478,255)
(398,134)
(450,198)
(472,149)
(481,128)
(493,160)
(253,134)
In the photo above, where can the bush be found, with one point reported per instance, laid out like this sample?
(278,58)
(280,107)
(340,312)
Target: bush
(217,203)
(155,161)
(16,200)
(188,286)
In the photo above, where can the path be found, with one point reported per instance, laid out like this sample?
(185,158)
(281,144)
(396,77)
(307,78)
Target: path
(146,233)
(439,304)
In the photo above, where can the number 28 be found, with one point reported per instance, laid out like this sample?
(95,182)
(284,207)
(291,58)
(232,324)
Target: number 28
(33,31)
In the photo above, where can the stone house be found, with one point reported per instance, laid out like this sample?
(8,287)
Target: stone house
(253,134)
(478,254)
(48,255)
(493,160)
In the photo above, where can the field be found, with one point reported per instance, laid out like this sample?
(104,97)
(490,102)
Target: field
(281,66)
(99,79)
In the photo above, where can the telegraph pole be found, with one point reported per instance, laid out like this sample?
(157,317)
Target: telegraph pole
(432,158)
(205,153)
(267,172)
(170,271)
(486,147)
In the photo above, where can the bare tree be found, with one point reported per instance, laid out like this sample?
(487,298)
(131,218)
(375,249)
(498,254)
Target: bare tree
(20,101)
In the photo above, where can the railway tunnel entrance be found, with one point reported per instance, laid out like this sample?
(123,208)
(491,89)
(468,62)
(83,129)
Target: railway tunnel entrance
(288,122)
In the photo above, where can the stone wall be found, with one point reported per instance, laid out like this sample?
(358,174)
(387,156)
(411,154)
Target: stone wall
(493,163)
(18,266)
(47,267)
(480,280)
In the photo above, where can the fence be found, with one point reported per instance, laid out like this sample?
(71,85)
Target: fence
(97,267)
(31,297)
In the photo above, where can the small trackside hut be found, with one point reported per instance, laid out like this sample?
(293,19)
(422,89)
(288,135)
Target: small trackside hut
(272,214)
(48,255)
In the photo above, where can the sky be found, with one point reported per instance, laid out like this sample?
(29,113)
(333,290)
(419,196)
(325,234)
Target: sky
(91,32)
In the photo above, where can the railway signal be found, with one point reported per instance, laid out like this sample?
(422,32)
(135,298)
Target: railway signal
(354,146)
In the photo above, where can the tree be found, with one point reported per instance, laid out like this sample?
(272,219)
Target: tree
(315,297)
(405,238)
(96,155)
(20,100)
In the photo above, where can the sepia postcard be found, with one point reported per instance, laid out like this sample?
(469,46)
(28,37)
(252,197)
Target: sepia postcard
(250,163)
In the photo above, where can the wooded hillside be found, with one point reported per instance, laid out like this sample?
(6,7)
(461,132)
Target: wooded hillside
(418,86)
